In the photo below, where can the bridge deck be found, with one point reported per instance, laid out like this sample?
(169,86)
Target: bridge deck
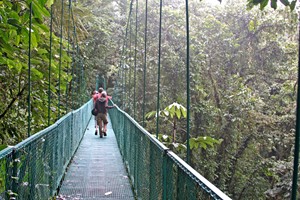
(97,170)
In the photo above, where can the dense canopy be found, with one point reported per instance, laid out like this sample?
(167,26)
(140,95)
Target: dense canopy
(243,78)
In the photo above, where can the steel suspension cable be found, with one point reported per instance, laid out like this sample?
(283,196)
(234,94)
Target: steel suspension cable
(60,54)
(158,70)
(80,75)
(297,134)
(67,89)
(76,49)
(29,70)
(82,81)
(104,84)
(122,88)
(135,53)
(29,88)
(76,79)
(123,51)
(115,92)
(73,57)
(187,81)
(50,63)
(125,68)
(72,80)
(145,63)
(96,88)
(134,84)
(124,84)
(130,68)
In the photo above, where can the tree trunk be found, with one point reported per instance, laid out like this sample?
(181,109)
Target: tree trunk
(174,131)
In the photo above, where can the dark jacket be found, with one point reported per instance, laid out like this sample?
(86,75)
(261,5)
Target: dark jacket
(101,105)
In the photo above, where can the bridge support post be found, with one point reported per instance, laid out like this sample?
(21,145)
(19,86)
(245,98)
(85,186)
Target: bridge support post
(164,171)
(32,170)
(14,175)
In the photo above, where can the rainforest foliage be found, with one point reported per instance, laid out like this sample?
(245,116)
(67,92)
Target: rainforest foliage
(243,78)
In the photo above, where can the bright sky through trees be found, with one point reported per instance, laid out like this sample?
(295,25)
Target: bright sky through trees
(214,2)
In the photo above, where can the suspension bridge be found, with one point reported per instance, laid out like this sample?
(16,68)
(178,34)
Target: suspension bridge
(67,161)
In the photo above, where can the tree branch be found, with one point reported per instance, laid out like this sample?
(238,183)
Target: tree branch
(12,102)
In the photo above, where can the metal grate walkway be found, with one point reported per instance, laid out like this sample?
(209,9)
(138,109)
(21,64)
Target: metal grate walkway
(97,171)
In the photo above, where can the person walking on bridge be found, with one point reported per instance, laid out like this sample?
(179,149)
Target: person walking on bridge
(101,106)
(95,96)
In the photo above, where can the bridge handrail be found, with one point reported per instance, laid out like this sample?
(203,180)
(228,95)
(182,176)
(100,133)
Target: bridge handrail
(162,172)
(34,168)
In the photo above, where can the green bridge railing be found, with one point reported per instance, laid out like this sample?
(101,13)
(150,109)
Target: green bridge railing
(155,171)
(34,168)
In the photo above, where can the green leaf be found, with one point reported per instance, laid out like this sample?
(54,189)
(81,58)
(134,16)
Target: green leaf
(293,5)
(14,22)
(10,63)
(39,11)
(12,33)
(49,3)
(285,2)
(17,40)
(7,49)
(150,115)
(203,142)
(18,66)
(44,11)
(42,2)
(36,61)
(67,58)
(54,68)
(36,73)
(178,113)
(63,87)
(203,145)
(251,26)
(274,4)
(43,27)
(42,51)
(13,14)
(263,4)
(192,143)
(34,42)
(36,11)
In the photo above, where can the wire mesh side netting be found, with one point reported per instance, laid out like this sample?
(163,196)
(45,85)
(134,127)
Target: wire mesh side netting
(34,168)
(155,171)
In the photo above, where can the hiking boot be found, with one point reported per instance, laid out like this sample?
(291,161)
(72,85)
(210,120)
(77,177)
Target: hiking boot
(104,133)
(96,132)
(101,134)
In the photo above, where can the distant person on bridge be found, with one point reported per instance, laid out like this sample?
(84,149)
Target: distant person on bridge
(100,91)
(107,97)
(95,96)
(101,106)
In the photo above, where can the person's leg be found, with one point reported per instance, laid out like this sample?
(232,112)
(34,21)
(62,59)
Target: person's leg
(100,128)
(105,125)
(99,123)
(104,121)
(96,126)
